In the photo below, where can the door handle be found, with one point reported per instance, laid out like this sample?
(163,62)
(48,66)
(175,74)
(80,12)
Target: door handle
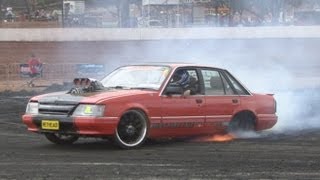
(199,101)
(235,101)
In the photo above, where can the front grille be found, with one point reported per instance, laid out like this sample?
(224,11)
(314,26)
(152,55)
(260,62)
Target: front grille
(55,109)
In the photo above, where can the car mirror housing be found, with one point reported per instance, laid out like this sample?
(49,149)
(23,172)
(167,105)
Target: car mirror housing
(173,89)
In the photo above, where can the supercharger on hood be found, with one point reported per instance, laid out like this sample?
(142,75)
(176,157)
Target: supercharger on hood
(85,85)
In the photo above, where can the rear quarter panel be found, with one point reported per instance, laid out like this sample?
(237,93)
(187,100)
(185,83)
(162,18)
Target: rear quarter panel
(258,104)
(263,106)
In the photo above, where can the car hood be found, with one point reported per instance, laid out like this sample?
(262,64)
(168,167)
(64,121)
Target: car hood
(92,97)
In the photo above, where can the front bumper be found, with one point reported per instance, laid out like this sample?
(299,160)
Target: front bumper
(90,126)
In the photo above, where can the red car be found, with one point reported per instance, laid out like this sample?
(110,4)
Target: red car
(150,101)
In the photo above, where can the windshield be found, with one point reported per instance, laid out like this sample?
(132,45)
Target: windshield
(144,77)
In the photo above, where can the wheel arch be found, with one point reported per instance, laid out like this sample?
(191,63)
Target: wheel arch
(244,114)
(140,110)
(134,106)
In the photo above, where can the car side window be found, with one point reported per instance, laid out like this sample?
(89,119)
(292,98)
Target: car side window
(187,79)
(227,87)
(213,83)
(240,90)
(194,82)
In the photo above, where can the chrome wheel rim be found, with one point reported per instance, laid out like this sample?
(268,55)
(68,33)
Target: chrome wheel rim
(131,129)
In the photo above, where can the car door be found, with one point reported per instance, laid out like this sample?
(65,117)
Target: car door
(183,114)
(221,101)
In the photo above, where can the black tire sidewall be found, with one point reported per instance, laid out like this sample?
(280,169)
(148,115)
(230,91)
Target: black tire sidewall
(239,124)
(117,138)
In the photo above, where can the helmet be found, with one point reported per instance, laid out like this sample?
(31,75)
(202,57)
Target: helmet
(182,77)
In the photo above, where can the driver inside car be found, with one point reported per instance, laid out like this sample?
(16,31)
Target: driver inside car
(184,80)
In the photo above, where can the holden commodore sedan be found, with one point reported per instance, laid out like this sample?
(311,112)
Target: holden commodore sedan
(137,102)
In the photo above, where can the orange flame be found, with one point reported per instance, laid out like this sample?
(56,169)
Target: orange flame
(222,138)
(217,138)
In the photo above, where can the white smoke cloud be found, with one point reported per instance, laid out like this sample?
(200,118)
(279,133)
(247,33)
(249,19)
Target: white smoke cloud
(298,110)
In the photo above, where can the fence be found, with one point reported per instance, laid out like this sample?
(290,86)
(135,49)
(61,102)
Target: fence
(11,78)
(32,24)
(143,34)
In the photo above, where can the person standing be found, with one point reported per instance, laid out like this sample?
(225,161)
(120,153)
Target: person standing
(35,68)
(34,65)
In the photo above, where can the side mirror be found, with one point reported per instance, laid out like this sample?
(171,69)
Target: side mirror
(173,89)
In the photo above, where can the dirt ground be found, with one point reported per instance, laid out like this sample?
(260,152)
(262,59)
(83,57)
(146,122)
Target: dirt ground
(270,155)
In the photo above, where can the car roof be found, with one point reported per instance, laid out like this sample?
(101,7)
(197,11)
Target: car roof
(173,65)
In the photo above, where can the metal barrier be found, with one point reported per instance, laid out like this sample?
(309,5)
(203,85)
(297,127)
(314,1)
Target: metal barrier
(129,34)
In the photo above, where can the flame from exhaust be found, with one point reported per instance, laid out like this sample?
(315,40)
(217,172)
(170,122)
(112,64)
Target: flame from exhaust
(216,138)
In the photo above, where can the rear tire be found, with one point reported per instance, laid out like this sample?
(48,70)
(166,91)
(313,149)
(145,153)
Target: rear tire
(242,123)
(61,139)
(132,130)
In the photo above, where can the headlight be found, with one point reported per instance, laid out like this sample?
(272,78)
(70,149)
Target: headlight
(32,108)
(89,110)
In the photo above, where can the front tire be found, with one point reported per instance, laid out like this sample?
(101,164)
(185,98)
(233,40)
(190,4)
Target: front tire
(61,139)
(132,129)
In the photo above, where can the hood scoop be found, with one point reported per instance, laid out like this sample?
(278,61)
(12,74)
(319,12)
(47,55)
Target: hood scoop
(85,85)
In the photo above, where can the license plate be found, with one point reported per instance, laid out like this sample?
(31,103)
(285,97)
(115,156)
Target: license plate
(50,125)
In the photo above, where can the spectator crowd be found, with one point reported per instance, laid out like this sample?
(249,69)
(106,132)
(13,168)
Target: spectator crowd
(180,15)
